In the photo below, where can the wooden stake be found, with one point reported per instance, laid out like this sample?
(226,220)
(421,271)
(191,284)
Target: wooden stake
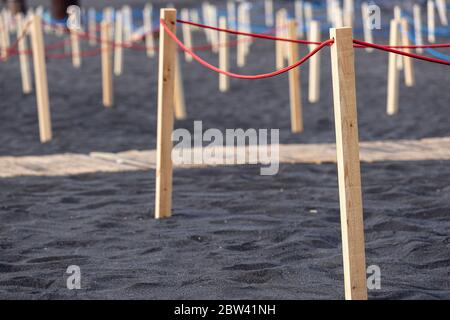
(231,12)
(294,82)
(40,74)
(92,26)
(149,41)
(417,12)
(107,79)
(224,81)
(441,7)
(241,54)
(166,84)
(4,36)
(398,17)
(349,11)
(393,75)
(127,17)
(280,32)
(347,145)
(180,104)
(118,48)
(23,57)
(314,64)
(268,7)
(187,37)
(299,17)
(368,36)
(431,22)
(75,44)
(408,62)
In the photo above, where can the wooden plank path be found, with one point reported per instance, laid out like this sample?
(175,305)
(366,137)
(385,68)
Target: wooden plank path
(76,164)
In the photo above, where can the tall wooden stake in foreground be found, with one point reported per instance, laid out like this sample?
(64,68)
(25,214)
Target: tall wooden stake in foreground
(347,145)
(107,79)
(294,82)
(166,81)
(40,74)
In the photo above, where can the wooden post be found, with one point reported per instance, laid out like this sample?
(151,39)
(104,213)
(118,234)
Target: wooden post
(347,145)
(92,26)
(338,15)
(180,103)
(349,9)
(268,8)
(23,57)
(393,76)
(441,7)
(213,22)
(118,44)
(224,81)
(107,79)
(431,21)
(398,17)
(294,82)
(187,36)
(149,41)
(127,17)
(231,12)
(40,74)
(368,36)
(279,45)
(417,12)
(240,39)
(408,62)
(75,44)
(314,63)
(4,37)
(166,84)
(299,17)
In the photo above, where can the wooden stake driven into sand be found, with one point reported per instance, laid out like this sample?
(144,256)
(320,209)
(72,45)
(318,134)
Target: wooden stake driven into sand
(407,61)
(23,57)
(180,103)
(241,50)
(299,17)
(92,26)
(280,47)
(107,79)
(166,86)
(431,21)
(149,41)
(393,73)
(268,8)
(4,39)
(314,64)
(441,7)
(398,17)
(40,74)
(224,56)
(417,13)
(347,145)
(187,36)
(294,82)
(75,44)
(118,48)
(368,36)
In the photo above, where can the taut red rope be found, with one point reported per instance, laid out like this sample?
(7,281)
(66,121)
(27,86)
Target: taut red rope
(240,76)
(408,54)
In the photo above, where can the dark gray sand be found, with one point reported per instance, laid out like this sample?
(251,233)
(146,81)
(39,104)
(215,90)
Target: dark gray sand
(234,234)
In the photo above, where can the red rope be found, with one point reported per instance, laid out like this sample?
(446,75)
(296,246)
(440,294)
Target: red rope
(254,35)
(239,76)
(403,53)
